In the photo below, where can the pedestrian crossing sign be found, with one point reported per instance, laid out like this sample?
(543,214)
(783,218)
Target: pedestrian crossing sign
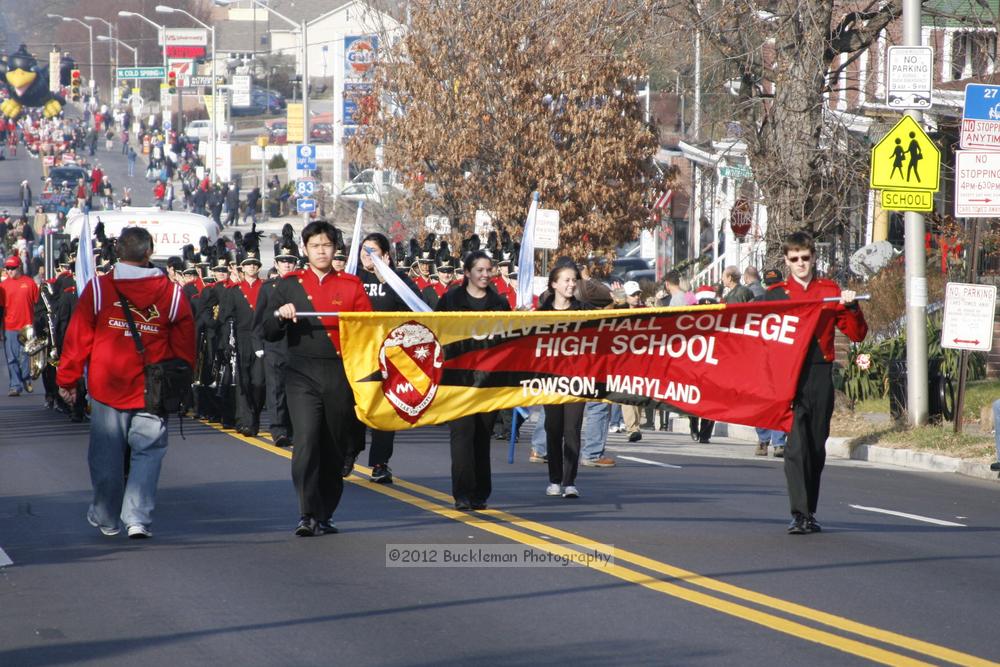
(905,159)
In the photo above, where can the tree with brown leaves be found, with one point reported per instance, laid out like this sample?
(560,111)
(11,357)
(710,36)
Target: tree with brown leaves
(483,102)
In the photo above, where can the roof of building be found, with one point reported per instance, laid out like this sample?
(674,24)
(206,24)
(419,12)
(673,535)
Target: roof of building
(242,36)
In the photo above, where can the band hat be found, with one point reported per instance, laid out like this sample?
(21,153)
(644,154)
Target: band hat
(251,258)
(191,271)
(631,288)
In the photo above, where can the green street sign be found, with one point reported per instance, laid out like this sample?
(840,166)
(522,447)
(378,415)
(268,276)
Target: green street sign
(141,73)
(738,171)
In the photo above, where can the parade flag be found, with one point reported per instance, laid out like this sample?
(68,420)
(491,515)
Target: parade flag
(352,257)
(737,363)
(387,274)
(85,268)
(526,258)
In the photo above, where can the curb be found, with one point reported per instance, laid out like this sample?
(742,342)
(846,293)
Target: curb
(908,458)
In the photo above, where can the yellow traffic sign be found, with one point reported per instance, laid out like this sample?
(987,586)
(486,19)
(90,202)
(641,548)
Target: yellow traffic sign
(905,159)
(908,200)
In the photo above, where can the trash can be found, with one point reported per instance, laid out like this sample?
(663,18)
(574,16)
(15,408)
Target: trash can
(940,392)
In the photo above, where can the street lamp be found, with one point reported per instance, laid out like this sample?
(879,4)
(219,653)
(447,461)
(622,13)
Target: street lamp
(135,52)
(305,57)
(90,32)
(163,9)
(112,58)
(162,31)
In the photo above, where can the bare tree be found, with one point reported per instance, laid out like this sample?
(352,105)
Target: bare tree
(483,102)
(782,58)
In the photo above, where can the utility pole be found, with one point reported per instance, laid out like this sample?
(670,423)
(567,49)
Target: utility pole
(916,269)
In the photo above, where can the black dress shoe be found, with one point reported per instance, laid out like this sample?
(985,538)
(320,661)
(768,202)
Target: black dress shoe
(480,505)
(308,527)
(704,441)
(635,437)
(799,525)
(813,525)
(328,527)
(246,432)
(348,465)
(463,505)
(282,441)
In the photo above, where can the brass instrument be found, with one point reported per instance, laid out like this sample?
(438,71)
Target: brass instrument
(37,349)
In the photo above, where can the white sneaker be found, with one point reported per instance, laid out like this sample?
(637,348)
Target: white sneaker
(553,490)
(613,428)
(137,531)
(570,492)
(110,532)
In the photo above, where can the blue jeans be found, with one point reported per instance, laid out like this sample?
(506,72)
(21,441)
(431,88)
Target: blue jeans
(112,433)
(616,415)
(996,425)
(596,419)
(538,443)
(776,438)
(17,361)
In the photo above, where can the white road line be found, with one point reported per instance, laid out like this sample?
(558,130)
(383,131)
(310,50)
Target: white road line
(5,559)
(915,517)
(652,463)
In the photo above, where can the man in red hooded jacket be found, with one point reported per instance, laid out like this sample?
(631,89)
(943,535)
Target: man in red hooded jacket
(99,340)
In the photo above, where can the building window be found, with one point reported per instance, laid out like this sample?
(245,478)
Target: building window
(973,54)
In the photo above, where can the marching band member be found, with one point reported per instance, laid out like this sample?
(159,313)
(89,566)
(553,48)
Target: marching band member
(320,400)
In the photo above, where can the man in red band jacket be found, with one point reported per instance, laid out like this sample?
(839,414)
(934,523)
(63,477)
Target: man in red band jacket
(805,451)
(99,340)
(320,400)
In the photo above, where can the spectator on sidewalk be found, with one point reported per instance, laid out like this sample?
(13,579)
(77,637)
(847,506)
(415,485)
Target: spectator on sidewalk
(752,280)
(632,414)
(132,157)
(765,436)
(675,295)
(735,292)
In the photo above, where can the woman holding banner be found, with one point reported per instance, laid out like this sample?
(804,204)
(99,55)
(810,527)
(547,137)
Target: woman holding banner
(470,435)
(563,423)
(384,299)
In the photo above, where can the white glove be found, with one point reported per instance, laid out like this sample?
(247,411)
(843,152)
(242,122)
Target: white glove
(259,353)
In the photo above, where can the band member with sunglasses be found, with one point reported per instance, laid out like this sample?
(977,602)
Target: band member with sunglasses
(805,451)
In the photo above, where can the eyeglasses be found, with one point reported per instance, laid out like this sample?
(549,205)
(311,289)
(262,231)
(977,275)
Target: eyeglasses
(798,258)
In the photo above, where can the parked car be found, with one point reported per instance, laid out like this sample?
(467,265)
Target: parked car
(321,132)
(202,130)
(277,133)
(625,265)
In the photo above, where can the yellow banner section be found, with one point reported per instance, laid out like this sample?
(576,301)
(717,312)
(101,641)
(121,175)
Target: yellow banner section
(395,363)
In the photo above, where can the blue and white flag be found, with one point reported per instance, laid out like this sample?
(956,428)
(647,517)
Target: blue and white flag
(85,269)
(387,274)
(526,259)
(352,257)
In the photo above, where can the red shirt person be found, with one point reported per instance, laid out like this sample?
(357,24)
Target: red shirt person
(99,339)
(18,295)
(320,400)
(805,450)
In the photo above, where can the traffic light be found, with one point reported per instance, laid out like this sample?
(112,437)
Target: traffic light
(172,82)
(74,85)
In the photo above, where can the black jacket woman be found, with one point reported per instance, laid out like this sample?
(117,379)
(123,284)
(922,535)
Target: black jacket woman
(384,299)
(471,482)
(563,423)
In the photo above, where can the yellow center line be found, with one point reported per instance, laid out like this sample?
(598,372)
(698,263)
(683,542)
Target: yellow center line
(778,623)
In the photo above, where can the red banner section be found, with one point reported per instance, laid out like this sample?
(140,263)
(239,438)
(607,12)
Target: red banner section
(736,363)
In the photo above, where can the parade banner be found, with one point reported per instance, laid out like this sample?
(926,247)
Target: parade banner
(737,363)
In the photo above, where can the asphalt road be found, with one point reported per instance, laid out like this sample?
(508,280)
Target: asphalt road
(703,572)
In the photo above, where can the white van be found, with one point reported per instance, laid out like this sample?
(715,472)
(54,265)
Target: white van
(171,230)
